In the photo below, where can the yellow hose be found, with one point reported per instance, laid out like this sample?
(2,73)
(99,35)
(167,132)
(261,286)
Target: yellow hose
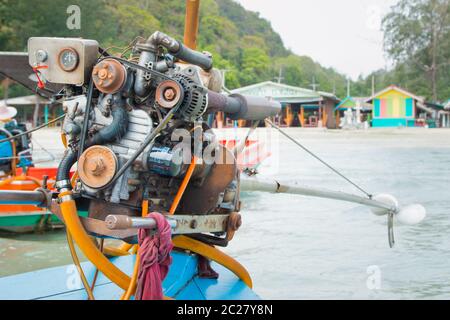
(183,186)
(74,226)
(133,283)
(215,255)
(64,139)
(122,250)
(69,212)
(94,281)
(77,263)
(115,252)
(90,250)
(125,247)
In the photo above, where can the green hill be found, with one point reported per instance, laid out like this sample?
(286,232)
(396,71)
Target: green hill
(241,41)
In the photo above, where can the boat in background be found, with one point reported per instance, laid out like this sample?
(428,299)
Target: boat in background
(22,218)
(253,154)
(26,218)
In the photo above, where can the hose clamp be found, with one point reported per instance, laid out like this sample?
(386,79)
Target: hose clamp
(65,196)
(63,184)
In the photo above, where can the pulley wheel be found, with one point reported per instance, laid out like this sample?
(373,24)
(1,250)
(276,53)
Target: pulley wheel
(168,94)
(109,76)
(97,166)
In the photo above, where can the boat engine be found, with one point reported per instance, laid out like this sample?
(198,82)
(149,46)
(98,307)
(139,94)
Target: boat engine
(134,126)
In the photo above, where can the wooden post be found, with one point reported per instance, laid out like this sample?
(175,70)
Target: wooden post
(242,123)
(324,117)
(219,120)
(320,116)
(302,116)
(289,116)
(191,23)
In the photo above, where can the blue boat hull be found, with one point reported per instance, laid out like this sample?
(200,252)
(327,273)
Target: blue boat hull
(182,283)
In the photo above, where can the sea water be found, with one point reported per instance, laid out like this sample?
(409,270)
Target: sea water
(297,247)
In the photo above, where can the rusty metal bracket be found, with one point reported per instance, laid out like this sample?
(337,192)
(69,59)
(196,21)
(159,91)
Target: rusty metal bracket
(181,224)
(125,227)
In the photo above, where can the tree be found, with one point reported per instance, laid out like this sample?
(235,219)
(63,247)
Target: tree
(254,67)
(418,31)
(241,41)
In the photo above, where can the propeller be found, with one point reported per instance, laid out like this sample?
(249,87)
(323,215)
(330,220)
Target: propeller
(408,215)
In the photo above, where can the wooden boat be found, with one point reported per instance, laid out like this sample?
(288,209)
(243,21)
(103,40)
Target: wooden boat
(21,218)
(26,218)
(182,282)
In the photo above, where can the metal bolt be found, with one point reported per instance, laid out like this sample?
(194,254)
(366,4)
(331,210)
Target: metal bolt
(169,94)
(96,166)
(103,73)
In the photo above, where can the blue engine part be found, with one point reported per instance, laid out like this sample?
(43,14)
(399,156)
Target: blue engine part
(165,161)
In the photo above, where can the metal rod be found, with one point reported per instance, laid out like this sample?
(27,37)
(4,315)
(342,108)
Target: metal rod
(251,184)
(33,130)
(191,23)
(121,222)
(34,198)
(318,158)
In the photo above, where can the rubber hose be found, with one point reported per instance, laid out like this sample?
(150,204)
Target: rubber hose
(87,246)
(114,131)
(183,242)
(66,163)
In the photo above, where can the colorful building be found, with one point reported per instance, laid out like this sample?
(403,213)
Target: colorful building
(441,115)
(445,118)
(301,107)
(396,107)
(354,103)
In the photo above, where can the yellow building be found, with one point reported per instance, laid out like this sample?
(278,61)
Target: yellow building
(396,107)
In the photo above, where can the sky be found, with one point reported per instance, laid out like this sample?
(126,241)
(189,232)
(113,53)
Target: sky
(343,34)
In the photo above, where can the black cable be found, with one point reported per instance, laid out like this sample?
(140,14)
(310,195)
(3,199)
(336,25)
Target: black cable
(150,137)
(103,52)
(87,112)
(318,158)
(32,130)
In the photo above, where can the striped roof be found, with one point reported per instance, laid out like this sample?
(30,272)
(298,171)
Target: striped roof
(361,101)
(284,92)
(398,89)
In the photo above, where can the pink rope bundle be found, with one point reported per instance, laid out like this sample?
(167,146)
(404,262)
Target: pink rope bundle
(155,259)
